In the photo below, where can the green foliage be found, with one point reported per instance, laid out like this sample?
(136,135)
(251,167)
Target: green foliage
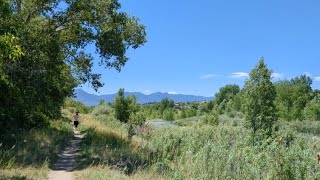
(210,105)
(190,112)
(208,152)
(312,109)
(106,147)
(137,118)
(227,99)
(212,118)
(183,113)
(166,109)
(121,107)
(9,47)
(42,55)
(76,106)
(168,114)
(202,109)
(166,104)
(226,93)
(236,103)
(259,100)
(292,97)
(102,109)
(190,121)
(36,148)
(4,8)
(129,112)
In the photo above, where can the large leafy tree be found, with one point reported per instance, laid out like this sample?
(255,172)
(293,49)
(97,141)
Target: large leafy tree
(292,96)
(259,94)
(225,96)
(226,93)
(53,36)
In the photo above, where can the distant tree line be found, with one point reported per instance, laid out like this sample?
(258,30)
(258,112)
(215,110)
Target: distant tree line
(263,102)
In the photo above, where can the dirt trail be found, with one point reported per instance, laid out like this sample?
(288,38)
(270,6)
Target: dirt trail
(63,168)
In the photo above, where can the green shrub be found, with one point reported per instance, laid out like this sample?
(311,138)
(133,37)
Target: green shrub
(38,119)
(168,114)
(102,109)
(74,106)
(312,110)
(211,119)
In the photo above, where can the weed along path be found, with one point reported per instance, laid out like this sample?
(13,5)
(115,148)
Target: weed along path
(67,162)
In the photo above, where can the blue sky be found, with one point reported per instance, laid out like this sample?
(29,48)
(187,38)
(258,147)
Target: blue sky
(196,47)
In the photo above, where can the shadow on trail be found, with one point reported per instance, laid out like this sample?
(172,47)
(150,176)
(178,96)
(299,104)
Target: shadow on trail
(107,148)
(68,158)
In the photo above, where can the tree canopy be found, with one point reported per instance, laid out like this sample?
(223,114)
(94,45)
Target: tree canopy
(292,97)
(226,93)
(43,57)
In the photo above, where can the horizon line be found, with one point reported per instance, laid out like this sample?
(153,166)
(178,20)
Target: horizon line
(143,93)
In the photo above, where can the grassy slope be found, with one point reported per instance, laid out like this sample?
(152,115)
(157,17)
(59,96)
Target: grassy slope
(29,154)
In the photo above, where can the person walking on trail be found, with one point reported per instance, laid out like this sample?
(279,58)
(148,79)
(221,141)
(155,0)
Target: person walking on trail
(76,120)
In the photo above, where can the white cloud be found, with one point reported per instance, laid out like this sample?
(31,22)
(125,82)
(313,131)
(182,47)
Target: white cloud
(308,74)
(317,78)
(147,92)
(277,76)
(239,75)
(208,76)
(245,75)
(172,92)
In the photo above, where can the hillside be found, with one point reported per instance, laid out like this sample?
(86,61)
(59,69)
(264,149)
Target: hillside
(92,99)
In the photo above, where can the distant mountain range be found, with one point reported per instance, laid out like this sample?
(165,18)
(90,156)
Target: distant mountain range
(92,99)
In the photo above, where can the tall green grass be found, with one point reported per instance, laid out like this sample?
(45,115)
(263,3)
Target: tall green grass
(200,151)
(226,152)
(106,143)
